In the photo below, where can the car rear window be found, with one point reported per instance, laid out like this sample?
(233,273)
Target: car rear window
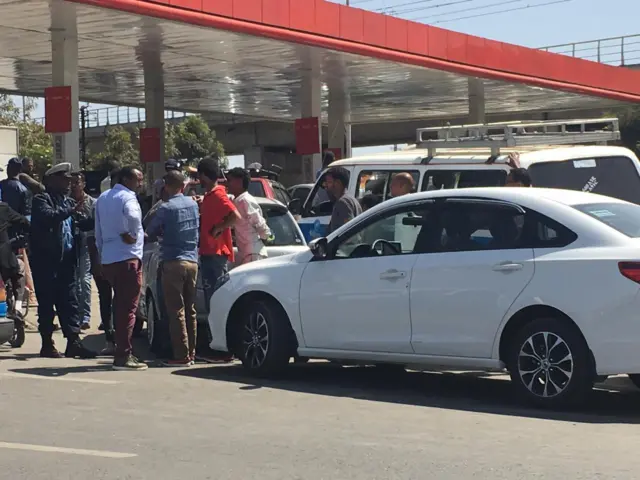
(622,217)
(282,226)
(615,177)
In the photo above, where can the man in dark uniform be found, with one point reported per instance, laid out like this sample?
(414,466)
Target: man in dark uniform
(55,219)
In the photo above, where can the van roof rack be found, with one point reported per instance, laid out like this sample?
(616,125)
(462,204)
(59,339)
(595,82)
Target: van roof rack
(495,136)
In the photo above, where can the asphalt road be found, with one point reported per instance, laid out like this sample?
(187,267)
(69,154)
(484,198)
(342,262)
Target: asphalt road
(72,419)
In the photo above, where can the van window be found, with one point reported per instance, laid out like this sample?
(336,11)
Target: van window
(612,176)
(444,179)
(378,182)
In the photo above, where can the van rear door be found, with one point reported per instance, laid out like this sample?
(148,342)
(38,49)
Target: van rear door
(614,176)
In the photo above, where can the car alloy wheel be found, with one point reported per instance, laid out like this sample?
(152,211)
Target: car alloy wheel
(255,339)
(545,364)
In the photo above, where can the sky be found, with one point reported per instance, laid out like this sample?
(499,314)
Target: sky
(532,23)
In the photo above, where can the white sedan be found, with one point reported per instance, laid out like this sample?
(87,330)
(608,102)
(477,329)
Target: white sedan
(544,283)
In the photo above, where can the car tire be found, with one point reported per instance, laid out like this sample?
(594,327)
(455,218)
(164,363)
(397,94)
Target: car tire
(550,364)
(265,340)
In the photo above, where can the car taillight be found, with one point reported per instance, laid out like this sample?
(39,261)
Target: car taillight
(631,270)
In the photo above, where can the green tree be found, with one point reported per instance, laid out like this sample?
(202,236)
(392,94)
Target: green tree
(34,142)
(194,139)
(630,128)
(118,145)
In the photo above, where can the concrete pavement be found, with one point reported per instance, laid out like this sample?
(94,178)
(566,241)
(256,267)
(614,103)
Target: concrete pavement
(79,419)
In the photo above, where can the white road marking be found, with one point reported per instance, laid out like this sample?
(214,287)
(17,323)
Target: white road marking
(70,451)
(59,378)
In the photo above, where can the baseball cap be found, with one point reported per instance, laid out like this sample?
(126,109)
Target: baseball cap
(172,164)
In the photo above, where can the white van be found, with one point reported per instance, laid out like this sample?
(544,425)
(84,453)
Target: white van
(554,153)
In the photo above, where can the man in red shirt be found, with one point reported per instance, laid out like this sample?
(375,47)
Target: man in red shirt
(217,216)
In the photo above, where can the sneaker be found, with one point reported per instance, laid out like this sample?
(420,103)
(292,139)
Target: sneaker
(50,351)
(85,326)
(129,363)
(185,362)
(101,327)
(75,349)
(109,350)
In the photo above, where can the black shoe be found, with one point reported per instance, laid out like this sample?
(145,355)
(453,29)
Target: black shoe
(75,349)
(101,327)
(49,350)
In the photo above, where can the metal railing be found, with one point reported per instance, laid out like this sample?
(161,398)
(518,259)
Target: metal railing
(108,116)
(617,51)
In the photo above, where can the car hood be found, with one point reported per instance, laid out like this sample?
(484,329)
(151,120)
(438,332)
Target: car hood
(281,256)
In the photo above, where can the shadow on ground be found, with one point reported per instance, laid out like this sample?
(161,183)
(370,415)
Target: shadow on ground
(612,402)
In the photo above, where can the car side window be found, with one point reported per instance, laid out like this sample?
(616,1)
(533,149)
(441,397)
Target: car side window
(472,226)
(543,232)
(397,232)
(378,182)
(280,193)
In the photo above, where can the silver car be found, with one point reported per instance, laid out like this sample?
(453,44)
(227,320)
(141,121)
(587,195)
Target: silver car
(288,239)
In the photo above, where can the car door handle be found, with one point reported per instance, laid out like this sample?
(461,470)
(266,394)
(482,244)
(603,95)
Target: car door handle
(507,267)
(392,275)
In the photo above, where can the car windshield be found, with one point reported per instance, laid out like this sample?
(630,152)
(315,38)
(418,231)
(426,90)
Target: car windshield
(282,226)
(623,217)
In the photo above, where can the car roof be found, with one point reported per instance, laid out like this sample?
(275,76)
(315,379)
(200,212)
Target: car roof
(528,155)
(513,194)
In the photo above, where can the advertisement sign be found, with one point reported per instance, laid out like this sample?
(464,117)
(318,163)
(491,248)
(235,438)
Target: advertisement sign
(57,110)
(307,136)
(150,145)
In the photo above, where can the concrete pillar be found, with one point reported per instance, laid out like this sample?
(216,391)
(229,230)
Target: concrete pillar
(154,96)
(476,101)
(311,106)
(64,72)
(338,122)
(254,154)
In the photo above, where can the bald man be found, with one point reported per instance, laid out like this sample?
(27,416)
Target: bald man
(401,184)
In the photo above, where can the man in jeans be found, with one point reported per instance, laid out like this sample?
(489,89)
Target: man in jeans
(217,216)
(176,220)
(86,204)
(120,239)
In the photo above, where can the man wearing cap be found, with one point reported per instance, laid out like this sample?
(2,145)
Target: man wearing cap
(55,218)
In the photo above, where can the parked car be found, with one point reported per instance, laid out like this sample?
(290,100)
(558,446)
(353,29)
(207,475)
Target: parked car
(258,187)
(287,239)
(300,192)
(542,282)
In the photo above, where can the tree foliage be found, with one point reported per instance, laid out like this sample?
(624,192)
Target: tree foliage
(630,128)
(34,142)
(193,139)
(118,145)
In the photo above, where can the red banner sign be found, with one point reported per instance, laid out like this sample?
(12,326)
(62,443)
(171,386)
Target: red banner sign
(307,136)
(57,110)
(150,145)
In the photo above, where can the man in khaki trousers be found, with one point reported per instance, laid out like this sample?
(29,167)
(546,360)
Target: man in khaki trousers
(176,223)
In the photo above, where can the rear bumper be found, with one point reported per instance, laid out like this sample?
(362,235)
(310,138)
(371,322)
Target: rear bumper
(6,329)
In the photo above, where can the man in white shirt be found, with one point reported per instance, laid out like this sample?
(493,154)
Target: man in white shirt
(251,230)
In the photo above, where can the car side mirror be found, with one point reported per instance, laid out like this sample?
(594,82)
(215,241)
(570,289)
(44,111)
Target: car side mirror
(319,247)
(295,206)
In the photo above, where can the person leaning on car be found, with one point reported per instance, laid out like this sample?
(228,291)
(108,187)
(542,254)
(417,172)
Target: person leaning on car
(177,221)
(346,207)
